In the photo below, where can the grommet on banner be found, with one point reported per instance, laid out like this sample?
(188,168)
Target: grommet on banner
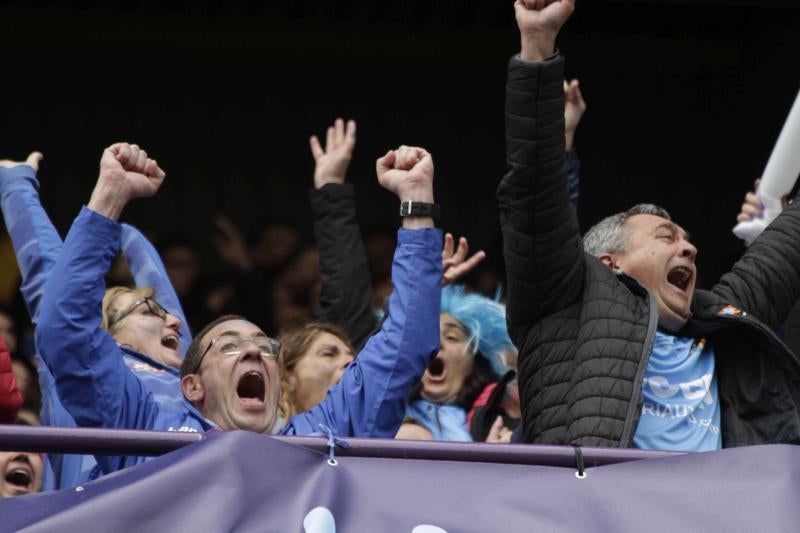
(333,442)
(581,473)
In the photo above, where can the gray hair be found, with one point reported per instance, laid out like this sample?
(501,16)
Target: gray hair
(610,234)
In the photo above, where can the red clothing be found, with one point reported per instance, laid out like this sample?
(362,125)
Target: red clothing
(480,401)
(10,397)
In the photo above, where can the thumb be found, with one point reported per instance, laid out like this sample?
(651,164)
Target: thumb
(34,159)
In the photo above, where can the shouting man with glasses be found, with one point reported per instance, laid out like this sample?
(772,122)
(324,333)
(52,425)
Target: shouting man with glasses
(229,376)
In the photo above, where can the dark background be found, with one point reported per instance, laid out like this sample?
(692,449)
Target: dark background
(686,99)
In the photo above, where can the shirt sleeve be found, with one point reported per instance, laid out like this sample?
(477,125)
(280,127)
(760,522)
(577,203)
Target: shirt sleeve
(36,241)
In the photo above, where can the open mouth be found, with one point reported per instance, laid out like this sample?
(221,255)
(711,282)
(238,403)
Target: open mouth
(251,387)
(170,341)
(435,370)
(21,476)
(680,277)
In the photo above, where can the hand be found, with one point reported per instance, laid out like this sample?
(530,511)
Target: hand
(453,261)
(33,161)
(499,434)
(229,243)
(574,107)
(407,172)
(332,162)
(752,206)
(126,172)
(539,22)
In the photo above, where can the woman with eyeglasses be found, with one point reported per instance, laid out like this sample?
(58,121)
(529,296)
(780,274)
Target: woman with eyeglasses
(153,340)
(138,322)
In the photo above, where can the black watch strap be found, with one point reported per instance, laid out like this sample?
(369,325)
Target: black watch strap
(419,209)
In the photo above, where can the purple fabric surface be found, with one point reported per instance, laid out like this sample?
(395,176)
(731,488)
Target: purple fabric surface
(241,481)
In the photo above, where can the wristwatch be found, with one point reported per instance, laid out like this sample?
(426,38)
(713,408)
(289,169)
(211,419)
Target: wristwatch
(419,209)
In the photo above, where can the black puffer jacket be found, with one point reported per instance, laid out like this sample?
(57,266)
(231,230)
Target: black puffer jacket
(585,334)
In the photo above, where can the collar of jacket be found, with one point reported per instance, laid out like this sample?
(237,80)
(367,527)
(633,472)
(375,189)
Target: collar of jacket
(149,360)
(635,403)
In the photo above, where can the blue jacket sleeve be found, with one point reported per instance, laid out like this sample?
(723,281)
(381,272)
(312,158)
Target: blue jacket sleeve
(37,245)
(92,380)
(148,270)
(369,400)
(36,241)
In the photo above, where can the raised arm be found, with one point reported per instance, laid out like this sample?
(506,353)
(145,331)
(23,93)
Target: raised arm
(35,239)
(148,270)
(92,380)
(541,239)
(765,282)
(369,400)
(346,292)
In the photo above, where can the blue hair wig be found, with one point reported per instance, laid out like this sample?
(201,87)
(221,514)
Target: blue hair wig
(485,322)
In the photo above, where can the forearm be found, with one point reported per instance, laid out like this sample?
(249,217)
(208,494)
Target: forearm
(369,400)
(85,361)
(541,237)
(346,293)
(148,270)
(765,282)
(35,239)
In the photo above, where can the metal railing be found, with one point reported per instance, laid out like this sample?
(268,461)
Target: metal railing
(136,442)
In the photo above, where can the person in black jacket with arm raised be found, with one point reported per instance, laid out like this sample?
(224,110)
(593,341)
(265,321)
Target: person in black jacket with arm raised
(617,348)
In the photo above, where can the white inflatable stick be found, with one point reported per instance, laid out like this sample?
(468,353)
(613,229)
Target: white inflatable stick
(779,176)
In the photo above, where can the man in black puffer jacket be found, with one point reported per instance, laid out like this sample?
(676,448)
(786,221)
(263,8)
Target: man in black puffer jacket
(616,346)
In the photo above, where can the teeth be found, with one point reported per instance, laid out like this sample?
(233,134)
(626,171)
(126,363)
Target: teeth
(680,276)
(170,339)
(19,477)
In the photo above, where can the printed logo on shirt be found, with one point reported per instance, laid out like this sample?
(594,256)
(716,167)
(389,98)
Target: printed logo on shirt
(144,367)
(691,390)
(731,310)
(183,429)
(686,405)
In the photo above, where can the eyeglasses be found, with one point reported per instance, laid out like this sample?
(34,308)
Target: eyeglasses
(233,345)
(153,307)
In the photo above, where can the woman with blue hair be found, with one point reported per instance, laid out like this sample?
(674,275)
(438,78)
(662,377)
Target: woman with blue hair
(474,353)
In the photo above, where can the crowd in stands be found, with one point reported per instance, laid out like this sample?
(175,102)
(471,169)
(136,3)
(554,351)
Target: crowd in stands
(601,339)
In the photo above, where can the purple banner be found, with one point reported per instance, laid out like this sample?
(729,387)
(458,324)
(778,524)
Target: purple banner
(241,481)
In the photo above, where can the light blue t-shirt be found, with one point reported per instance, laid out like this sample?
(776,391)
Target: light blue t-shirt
(446,422)
(681,406)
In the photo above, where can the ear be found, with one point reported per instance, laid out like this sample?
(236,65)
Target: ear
(611,261)
(193,388)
